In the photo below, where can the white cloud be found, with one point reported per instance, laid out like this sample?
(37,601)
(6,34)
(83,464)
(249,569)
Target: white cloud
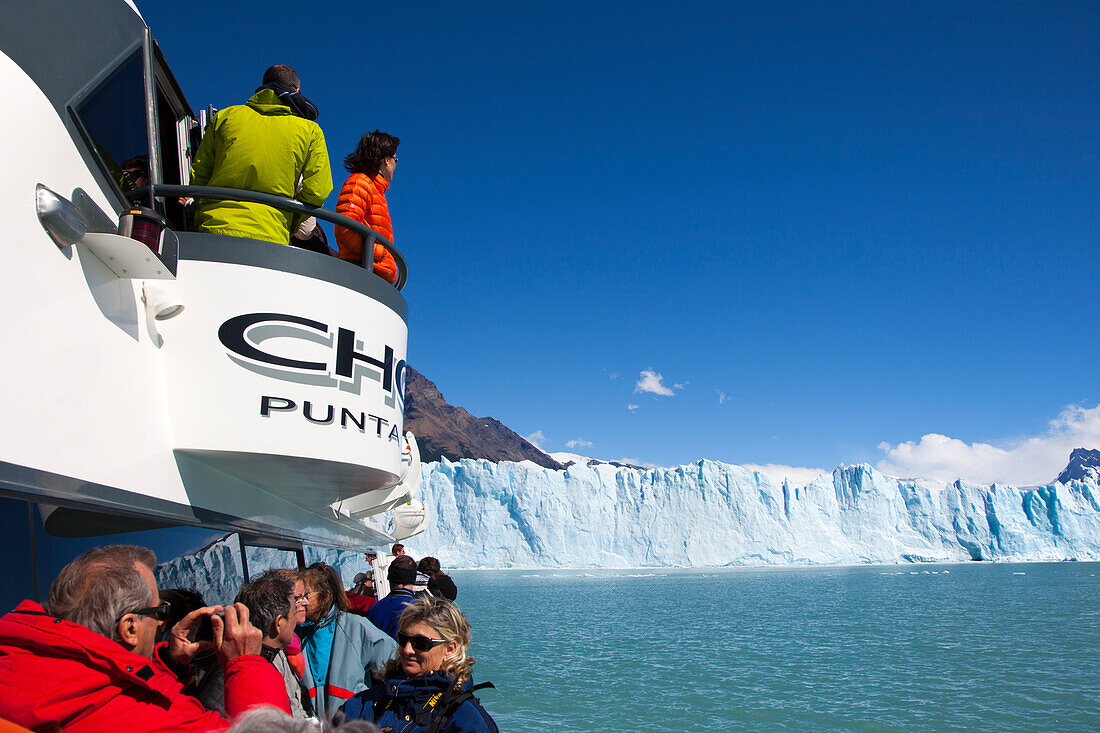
(797,475)
(680,385)
(632,407)
(1020,462)
(613,376)
(536,439)
(578,443)
(652,382)
(723,398)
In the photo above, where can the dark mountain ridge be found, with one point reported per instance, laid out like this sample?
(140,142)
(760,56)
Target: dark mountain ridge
(443,430)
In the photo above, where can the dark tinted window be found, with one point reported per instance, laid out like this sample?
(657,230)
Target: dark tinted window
(114,117)
(44,542)
(17,578)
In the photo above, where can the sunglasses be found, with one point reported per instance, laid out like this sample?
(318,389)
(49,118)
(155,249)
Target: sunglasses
(419,643)
(161,611)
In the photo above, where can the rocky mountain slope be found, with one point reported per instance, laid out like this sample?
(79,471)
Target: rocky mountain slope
(443,430)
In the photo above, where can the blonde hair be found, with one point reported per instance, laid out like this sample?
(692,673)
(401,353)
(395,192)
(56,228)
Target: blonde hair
(448,621)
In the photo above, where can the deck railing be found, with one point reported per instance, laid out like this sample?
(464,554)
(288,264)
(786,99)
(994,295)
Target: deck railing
(279,202)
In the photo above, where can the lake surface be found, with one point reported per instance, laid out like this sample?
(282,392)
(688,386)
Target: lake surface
(977,647)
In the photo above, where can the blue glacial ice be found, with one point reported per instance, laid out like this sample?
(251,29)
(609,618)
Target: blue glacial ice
(707,514)
(500,515)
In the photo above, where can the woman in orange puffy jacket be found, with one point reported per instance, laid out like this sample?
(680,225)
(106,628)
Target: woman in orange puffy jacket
(363,198)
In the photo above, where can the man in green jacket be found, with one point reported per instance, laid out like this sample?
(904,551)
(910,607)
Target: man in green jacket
(266,145)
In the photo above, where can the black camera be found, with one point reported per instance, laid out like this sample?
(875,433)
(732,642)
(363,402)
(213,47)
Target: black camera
(206,627)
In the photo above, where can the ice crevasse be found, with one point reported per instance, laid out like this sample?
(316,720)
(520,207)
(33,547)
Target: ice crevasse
(501,515)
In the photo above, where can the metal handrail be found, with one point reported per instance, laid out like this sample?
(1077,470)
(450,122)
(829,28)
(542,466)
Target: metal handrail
(278,202)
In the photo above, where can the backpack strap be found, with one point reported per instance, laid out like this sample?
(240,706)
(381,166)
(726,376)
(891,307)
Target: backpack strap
(451,705)
(435,704)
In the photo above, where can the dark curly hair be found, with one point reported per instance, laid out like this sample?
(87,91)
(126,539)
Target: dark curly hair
(267,597)
(429,566)
(373,148)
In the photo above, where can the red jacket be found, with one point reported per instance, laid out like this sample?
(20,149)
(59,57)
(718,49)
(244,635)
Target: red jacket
(363,198)
(360,604)
(55,674)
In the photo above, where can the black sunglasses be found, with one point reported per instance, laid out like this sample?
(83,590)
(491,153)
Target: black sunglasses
(419,643)
(161,611)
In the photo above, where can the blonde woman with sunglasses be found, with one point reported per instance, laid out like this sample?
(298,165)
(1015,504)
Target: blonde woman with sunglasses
(427,686)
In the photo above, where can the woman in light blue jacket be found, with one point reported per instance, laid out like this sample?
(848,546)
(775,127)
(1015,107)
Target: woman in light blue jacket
(341,648)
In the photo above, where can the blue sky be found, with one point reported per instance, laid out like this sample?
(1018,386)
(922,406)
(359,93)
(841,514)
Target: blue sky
(792,233)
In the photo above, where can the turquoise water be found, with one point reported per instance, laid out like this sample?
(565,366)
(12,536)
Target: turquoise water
(975,647)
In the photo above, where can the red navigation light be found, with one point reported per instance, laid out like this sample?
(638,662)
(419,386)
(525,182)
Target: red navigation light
(144,225)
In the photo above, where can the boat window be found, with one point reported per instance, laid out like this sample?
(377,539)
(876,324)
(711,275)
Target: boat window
(40,539)
(114,118)
(262,559)
(214,569)
(57,535)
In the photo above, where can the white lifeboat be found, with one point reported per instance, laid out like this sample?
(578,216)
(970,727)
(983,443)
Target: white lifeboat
(409,519)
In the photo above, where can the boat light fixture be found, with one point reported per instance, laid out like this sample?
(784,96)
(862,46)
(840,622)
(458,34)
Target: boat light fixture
(61,218)
(160,303)
(143,225)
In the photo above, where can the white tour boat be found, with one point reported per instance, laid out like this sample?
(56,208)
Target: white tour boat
(162,386)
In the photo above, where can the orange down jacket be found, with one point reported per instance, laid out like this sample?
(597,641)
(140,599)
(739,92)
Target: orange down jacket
(363,198)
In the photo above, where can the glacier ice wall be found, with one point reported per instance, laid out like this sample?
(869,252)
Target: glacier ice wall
(503,515)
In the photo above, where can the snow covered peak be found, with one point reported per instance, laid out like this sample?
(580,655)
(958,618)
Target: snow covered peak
(1084,465)
(568,459)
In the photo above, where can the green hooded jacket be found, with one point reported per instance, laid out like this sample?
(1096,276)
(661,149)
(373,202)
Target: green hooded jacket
(260,146)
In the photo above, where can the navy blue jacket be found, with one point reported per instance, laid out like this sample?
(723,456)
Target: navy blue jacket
(397,705)
(387,611)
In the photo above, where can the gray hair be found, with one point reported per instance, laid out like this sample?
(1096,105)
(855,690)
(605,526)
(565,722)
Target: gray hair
(267,719)
(101,586)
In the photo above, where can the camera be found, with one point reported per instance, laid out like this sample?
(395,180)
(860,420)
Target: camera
(206,627)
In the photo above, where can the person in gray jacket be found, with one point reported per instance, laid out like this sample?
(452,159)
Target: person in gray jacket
(342,649)
(271,608)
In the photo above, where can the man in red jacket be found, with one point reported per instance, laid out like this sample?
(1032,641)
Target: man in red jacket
(88,660)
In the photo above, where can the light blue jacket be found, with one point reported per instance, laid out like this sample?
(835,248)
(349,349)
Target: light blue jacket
(358,648)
